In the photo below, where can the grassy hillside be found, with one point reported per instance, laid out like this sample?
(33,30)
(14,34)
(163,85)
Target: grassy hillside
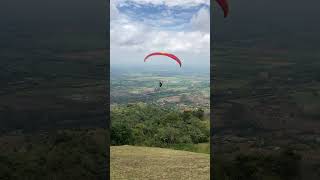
(132,162)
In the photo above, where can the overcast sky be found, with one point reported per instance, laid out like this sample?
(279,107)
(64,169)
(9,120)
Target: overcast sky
(139,27)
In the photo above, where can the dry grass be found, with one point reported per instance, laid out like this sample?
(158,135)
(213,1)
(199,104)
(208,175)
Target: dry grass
(132,162)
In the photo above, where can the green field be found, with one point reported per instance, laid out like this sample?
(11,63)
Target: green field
(182,89)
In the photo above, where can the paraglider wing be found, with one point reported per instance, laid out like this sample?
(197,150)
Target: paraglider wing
(173,57)
(224,5)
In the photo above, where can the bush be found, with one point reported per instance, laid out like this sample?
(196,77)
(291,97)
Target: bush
(121,134)
(152,125)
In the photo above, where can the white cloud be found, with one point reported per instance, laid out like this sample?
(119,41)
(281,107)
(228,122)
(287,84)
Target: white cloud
(114,13)
(170,3)
(137,36)
(133,39)
(201,20)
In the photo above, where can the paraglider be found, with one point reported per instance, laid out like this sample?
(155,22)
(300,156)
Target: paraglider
(225,7)
(173,57)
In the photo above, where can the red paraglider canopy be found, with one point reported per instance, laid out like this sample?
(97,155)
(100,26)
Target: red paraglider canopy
(224,5)
(175,58)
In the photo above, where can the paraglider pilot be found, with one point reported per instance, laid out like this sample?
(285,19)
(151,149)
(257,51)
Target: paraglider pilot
(160,83)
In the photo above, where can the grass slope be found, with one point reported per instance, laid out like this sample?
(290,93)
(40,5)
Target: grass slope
(132,162)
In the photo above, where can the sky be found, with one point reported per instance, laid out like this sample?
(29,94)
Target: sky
(139,27)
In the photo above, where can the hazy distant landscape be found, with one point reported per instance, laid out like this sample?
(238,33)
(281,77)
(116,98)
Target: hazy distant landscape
(52,103)
(53,90)
(266,103)
(266,72)
(181,88)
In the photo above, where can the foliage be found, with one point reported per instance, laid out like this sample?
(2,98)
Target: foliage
(152,125)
